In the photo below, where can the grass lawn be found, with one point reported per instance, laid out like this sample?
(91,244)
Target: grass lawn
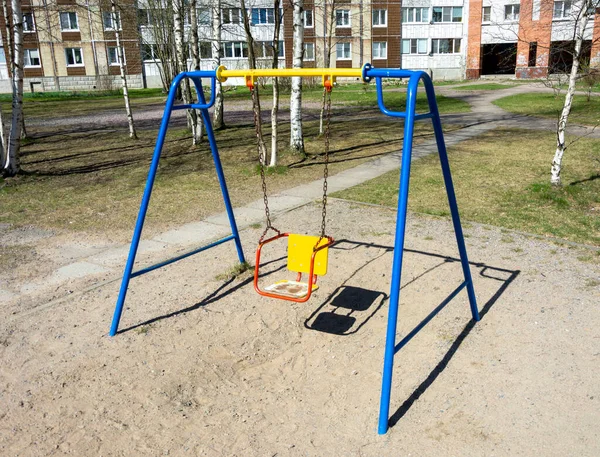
(485,86)
(547,105)
(502,178)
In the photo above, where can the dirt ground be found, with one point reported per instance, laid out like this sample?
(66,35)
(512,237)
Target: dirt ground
(206,367)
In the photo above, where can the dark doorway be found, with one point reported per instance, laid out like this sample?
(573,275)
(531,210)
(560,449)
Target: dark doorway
(561,55)
(499,59)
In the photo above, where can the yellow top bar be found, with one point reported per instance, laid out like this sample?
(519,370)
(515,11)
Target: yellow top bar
(326,73)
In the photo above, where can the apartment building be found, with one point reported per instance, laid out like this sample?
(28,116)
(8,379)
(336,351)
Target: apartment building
(70,45)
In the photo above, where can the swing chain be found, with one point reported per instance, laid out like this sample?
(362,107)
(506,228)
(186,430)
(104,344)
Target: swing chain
(326,168)
(261,161)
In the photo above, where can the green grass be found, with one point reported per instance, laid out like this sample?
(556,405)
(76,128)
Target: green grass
(549,106)
(502,179)
(486,86)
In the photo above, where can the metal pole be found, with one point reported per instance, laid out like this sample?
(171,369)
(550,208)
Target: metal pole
(460,239)
(139,225)
(390,342)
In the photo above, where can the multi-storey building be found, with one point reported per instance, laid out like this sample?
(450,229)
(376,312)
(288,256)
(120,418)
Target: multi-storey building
(70,44)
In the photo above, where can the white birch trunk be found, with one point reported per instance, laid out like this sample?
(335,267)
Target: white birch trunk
(197,124)
(580,24)
(218,121)
(296,135)
(275,109)
(3,145)
(120,55)
(12,164)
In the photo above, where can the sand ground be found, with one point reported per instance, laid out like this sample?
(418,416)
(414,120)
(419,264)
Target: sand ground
(206,367)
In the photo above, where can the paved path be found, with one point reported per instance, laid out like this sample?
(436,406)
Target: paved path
(107,262)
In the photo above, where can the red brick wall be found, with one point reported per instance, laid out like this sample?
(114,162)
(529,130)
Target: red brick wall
(474,40)
(595,56)
(538,31)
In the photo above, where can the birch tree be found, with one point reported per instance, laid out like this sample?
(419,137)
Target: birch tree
(218,121)
(581,9)
(275,109)
(329,27)
(296,135)
(197,125)
(122,70)
(12,164)
(255,93)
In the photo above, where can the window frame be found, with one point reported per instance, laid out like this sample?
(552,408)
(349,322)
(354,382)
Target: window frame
(512,16)
(203,12)
(562,16)
(27,54)
(489,14)
(68,13)
(269,16)
(230,16)
(414,43)
(447,12)
(33,28)
(454,41)
(379,57)
(312,19)
(313,52)
(342,13)
(337,47)
(380,23)
(108,14)
(241,45)
(82,64)
(412,12)
(117,63)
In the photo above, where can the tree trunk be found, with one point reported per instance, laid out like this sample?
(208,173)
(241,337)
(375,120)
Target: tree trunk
(275,109)
(12,164)
(120,55)
(580,24)
(218,121)
(296,136)
(197,124)
(262,148)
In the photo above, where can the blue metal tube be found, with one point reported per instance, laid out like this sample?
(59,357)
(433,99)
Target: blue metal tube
(164,263)
(215,153)
(390,342)
(139,225)
(460,240)
(430,316)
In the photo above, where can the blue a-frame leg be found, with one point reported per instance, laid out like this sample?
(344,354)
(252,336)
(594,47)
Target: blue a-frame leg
(410,116)
(135,241)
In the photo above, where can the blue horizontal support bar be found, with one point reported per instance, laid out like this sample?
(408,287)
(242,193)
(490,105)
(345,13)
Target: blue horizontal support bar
(418,117)
(180,257)
(431,315)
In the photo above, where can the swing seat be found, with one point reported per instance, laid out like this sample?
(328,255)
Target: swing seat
(302,258)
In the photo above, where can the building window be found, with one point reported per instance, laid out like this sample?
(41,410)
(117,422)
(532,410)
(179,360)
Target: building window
(414,46)
(150,52)
(28,23)
(235,49)
(447,14)
(74,57)
(31,58)
(486,14)
(342,18)
(532,54)
(562,10)
(415,14)
(307,19)
(144,17)
(205,50)
(309,51)
(266,49)
(204,16)
(342,51)
(511,12)
(109,21)
(262,16)
(380,50)
(68,21)
(232,16)
(379,18)
(113,56)
(445,46)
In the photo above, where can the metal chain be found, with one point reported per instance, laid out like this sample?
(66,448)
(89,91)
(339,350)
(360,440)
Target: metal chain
(326,168)
(261,161)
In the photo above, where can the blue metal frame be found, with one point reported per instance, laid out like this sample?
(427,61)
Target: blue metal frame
(410,116)
(203,106)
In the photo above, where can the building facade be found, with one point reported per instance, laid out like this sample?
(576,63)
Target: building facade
(70,45)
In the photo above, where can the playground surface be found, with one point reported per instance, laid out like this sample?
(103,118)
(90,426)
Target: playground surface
(204,366)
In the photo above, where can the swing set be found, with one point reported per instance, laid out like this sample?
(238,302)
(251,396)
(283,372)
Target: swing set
(309,254)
